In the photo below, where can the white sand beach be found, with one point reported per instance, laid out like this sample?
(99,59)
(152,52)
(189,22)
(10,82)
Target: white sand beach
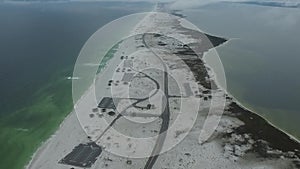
(219,151)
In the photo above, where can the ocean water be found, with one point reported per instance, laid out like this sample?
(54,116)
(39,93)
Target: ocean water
(38,40)
(39,45)
(262,59)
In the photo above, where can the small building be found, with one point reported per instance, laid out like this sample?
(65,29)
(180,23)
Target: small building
(108,103)
(83,155)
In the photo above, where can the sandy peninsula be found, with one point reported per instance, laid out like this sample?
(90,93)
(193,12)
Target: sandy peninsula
(242,139)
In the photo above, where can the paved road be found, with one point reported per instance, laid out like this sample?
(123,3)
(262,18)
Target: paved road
(132,105)
(165,116)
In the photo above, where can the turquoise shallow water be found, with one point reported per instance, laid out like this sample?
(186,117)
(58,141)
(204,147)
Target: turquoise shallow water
(39,40)
(39,44)
(262,60)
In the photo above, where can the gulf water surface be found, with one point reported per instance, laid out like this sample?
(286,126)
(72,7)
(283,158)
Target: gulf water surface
(39,45)
(261,60)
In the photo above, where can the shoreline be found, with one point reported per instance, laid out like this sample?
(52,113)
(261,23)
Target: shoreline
(216,80)
(225,90)
(45,144)
(236,100)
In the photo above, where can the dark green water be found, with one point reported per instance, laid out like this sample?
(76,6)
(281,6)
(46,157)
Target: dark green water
(262,64)
(39,44)
(37,40)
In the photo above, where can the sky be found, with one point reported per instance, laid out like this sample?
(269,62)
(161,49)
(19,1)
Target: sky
(195,3)
(183,4)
